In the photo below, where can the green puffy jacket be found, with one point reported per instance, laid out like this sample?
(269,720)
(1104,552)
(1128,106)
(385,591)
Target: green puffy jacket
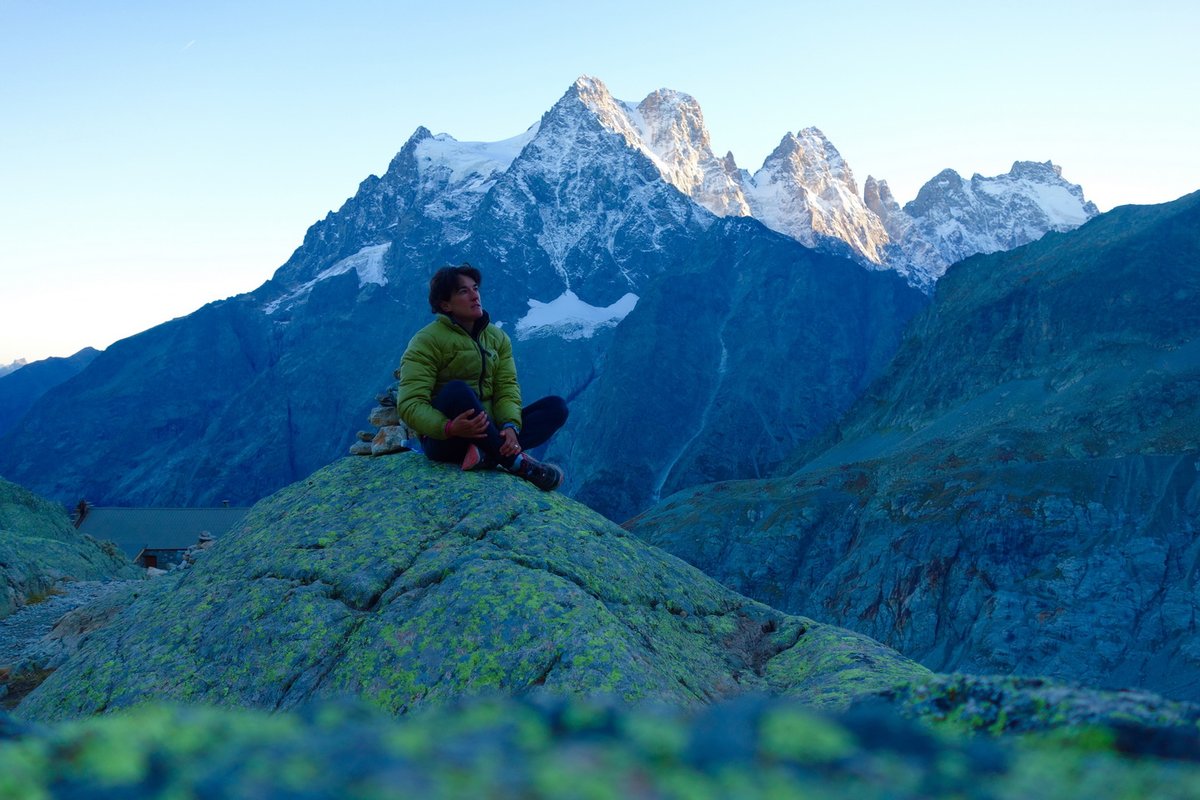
(443,351)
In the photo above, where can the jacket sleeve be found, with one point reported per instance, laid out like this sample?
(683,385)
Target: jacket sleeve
(414,398)
(506,394)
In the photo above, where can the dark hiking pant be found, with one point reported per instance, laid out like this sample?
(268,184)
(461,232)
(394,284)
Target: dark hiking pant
(539,421)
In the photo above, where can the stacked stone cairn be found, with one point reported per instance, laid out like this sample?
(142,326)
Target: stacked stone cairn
(204,542)
(391,436)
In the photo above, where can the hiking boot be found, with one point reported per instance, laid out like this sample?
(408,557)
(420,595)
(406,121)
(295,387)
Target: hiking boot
(546,477)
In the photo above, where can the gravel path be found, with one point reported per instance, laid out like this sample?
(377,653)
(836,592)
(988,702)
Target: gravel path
(23,629)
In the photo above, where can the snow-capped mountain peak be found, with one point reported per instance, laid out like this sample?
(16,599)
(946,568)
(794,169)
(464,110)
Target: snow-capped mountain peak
(806,190)
(454,175)
(1063,203)
(595,168)
(818,159)
(668,128)
(952,218)
(585,181)
(673,129)
(610,112)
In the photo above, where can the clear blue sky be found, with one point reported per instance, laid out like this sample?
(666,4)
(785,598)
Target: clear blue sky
(155,156)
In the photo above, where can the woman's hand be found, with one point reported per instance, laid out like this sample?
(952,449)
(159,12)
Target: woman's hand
(470,424)
(511,446)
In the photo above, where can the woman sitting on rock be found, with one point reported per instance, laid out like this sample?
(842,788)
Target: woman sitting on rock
(459,391)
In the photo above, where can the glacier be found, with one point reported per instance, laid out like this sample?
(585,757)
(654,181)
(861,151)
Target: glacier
(367,262)
(568,317)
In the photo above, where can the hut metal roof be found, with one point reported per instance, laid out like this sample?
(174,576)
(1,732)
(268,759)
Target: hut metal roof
(136,529)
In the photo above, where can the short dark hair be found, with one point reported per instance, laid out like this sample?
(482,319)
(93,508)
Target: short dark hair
(445,281)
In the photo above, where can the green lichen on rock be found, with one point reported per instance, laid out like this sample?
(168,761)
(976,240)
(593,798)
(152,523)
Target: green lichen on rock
(410,583)
(39,548)
(1008,704)
(748,747)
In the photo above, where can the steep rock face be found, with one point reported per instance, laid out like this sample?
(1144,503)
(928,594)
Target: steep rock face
(583,207)
(1020,491)
(1008,570)
(806,190)
(39,548)
(20,389)
(410,583)
(904,248)
(1079,333)
(752,346)
(673,128)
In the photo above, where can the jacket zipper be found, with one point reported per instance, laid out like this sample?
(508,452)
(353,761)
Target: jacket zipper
(474,336)
(482,364)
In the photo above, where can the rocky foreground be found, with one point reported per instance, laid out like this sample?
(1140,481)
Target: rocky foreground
(391,627)
(409,584)
(748,747)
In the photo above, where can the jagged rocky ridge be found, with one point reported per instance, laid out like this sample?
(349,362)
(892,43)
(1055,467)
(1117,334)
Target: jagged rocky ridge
(1020,491)
(807,191)
(952,218)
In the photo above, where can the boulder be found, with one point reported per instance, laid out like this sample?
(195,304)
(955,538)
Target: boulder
(383,416)
(390,439)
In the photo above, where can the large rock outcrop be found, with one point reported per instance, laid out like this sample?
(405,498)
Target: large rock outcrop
(39,548)
(1020,491)
(409,583)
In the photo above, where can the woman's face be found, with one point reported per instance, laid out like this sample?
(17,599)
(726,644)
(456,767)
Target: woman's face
(464,305)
